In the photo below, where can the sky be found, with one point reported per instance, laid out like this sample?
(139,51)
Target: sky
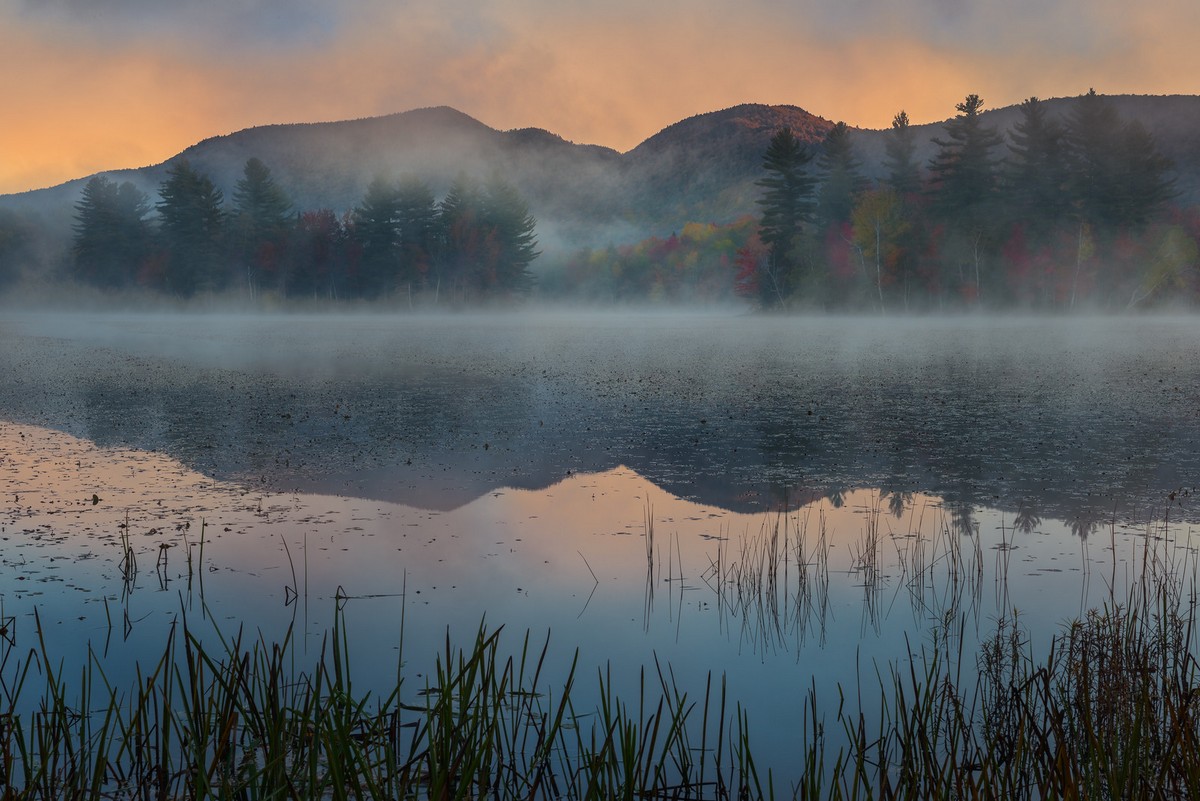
(92,85)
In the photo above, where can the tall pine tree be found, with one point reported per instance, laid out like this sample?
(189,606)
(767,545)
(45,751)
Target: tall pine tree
(260,224)
(191,221)
(112,237)
(511,229)
(787,206)
(375,221)
(904,174)
(841,180)
(416,230)
(1036,174)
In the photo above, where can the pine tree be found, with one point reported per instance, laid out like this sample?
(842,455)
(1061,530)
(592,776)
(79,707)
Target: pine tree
(511,229)
(460,238)
(1093,139)
(841,180)
(375,224)
(1145,181)
(191,222)
(1119,178)
(904,175)
(112,237)
(787,205)
(964,169)
(964,185)
(1036,175)
(416,230)
(260,223)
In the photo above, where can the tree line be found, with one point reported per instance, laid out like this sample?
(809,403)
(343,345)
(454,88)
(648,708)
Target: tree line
(1054,213)
(476,242)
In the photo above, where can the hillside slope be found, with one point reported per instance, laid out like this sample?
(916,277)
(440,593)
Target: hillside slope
(702,169)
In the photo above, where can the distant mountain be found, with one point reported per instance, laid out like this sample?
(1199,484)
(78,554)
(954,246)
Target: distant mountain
(701,169)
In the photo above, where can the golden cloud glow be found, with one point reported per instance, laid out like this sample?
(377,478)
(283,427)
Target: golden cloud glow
(77,104)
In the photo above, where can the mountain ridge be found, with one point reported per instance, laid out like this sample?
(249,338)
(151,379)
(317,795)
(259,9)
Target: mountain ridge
(702,168)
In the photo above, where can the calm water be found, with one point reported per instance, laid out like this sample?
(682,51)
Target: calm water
(441,471)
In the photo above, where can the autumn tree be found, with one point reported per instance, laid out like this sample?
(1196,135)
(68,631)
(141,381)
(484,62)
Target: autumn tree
(787,206)
(878,226)
(319,251)
(191,222)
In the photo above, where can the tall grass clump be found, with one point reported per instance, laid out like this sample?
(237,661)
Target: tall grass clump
(235,720)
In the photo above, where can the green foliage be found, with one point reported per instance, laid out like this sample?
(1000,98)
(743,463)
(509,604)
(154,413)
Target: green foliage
(260,224)
(191,222)
(787,206)
(416,231)
(16,239)
(964,169)
(841,180)
(904,174)
(112,237)
(375,221)
(1037,175)
(512,231)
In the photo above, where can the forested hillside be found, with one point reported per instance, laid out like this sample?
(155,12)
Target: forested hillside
(1016,206)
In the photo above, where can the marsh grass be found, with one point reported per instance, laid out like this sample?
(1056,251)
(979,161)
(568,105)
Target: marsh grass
(233,718)
(1110,709)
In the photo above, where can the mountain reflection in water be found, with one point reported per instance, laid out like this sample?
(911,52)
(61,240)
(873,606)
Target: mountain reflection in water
(1081,420)
(607,563)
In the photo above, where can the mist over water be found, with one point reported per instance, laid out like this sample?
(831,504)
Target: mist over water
(616,479)
(1078,418)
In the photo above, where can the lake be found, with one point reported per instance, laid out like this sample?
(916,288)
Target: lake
(789,502)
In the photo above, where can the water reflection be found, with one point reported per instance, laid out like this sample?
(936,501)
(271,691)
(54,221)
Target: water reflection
(609,563)
(1072,420)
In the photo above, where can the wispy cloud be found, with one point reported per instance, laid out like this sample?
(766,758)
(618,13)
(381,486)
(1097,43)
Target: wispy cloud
(95,84)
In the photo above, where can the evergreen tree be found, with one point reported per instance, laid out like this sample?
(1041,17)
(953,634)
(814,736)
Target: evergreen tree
(964,169)
(1146,185)
(787,205)
(16,239)
(841,180)
(416,228)
(1037,174)
(191,223)
(112,237)
(460,238)
(375,228)
(1119,178)
(964,186)
(511,229)
(904,175)
(260,223)
(1094,142)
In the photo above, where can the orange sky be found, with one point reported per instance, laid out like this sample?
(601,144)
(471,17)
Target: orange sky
(90,85)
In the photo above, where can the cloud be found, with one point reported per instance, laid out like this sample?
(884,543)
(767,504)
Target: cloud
(99,84)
